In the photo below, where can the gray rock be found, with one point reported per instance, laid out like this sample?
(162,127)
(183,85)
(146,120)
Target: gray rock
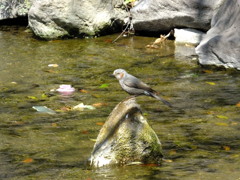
(159,15)
(50,19)
(14,8)
(188,36)
(125,138)
(221,45)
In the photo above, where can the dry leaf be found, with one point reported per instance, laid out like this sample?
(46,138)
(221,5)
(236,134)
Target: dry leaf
(54,125)
(226,148)
(28,160)
(238,104)
(167,160)
(85,132)
(208,71)
(100,123)
(83,91)
(172,152)
(99,104)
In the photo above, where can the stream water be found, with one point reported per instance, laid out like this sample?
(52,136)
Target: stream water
(202,141)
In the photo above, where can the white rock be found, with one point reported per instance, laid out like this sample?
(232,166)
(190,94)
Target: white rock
(188,36)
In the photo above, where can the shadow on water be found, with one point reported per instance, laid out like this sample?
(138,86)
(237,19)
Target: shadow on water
(200,137)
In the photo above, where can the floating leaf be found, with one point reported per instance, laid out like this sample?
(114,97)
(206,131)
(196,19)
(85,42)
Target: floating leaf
(54,125)
(32,97)
(172,152)
(100,123)
(208,71)
(44,95)
(167,160)
(85,132)
(81,107)
(145,114)
(238,104)
(104,86)
(83,91)
(28,160)
(44,109)
(226,148)
(99,104)
(150,165)
(53,65)
(221,124)
(211,83)
(222,117)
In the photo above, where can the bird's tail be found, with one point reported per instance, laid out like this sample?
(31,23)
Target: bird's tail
(161,99)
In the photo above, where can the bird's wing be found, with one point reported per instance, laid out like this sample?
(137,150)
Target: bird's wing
(134,82)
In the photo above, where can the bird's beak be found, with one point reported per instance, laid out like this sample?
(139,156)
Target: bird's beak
(112,75)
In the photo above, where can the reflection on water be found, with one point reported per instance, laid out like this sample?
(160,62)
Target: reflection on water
(200,136)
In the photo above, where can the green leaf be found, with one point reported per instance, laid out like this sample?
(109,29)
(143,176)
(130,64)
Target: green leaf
(32,97)
(104,86)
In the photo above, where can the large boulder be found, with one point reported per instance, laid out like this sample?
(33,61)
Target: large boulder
(126,137)
(159,15)
(221,45)
(50,19)
(14,8)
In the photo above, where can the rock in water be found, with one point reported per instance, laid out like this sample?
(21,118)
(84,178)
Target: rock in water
(126,137)
(12,9)
(51,19)
(220,46)
(159,15)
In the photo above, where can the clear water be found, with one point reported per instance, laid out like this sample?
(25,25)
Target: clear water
(200,137)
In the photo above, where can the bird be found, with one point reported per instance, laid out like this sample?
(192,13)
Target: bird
(135,86)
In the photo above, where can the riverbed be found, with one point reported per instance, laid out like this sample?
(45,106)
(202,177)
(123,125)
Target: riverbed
(200,135)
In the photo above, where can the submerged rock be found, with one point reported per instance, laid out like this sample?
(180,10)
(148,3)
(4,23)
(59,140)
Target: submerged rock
(158,15)
(50,19)
(221,44)
(126,137)
(12,9)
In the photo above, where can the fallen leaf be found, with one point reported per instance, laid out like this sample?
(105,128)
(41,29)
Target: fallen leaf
(226,148)
(167,160)
(150,165)
(99,104)
(238,104)
(85,132)
(208,71)
(32,97)
(81,107)
(221,124)
(44,95)
(100,123)
(65,108)
(210,112)
(211,83)
(28,160)
(222,117)
(53,65)
(234,123)
(104,86)
(172,152)
(83,91)
(54,125)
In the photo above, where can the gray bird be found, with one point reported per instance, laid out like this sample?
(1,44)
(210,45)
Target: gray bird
(136,87)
